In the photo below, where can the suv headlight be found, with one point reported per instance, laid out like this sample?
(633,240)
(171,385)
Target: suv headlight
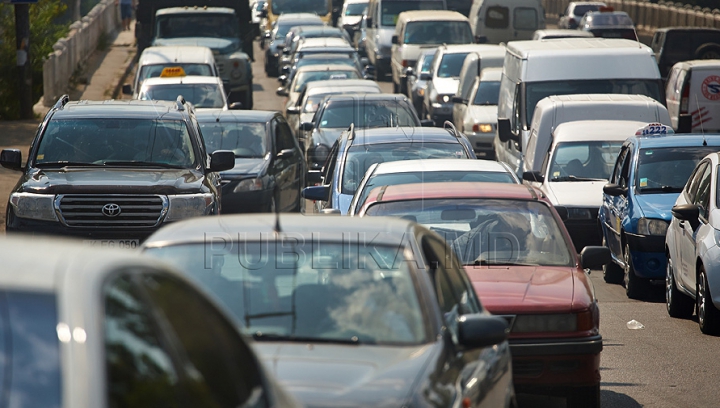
(254,184)
(183,206)
(33,206)
(649,226)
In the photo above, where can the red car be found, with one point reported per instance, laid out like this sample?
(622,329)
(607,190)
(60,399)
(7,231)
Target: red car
(523,266)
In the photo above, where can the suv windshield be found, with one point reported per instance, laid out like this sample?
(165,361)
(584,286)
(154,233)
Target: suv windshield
(583,160)
(391,9)
(109,141)
(198,25)
(367,114)
(488,231)
(247,140)
(438,32)
(361,157)
(319,7)
(200,95)
(451,64)
(313,291)
(666,170)
(535,91)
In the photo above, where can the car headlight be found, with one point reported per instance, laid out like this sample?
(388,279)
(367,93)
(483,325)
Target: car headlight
(33,206)
(649,226)
(183,206)
(566,322)
(254,184)
(443,98)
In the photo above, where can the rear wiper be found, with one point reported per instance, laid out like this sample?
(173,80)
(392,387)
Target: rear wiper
(259,336)
(141,163)
(65,164)
(573,178)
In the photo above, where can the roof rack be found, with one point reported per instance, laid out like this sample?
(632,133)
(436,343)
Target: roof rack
(451,128)
(180,103)
(61,102)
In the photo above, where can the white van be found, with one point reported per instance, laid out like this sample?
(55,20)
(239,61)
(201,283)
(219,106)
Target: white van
(498,21)
(575,169)
(489,56)
(534,70)
(693,88)
(555,110)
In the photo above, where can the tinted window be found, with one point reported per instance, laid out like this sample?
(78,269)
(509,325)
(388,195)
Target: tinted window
(355,9)
(497,17)
(245,139)
(427,60)
(367,114)
(451,64)
(487,93)
(438,32)
(194,25)
(391,9)
(283,135)
(200,95)
(525,18)
(618,165)
(667,169)
(319,7)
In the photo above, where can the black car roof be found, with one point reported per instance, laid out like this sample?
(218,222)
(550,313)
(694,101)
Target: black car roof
(120,109)
(235,116)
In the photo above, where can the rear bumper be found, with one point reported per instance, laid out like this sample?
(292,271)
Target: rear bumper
(482,143)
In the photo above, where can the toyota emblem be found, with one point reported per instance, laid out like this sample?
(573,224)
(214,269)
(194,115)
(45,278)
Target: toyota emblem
(111,210)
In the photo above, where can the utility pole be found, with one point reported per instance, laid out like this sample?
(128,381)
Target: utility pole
(22,40)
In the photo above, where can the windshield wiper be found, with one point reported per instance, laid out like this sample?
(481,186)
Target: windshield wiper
(66,163)
(259,336)
(664,189)
(141,163)
(483,262)
(573,178)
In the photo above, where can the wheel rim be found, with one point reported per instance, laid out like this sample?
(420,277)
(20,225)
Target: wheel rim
(668,284)
(701,299)
(626,268)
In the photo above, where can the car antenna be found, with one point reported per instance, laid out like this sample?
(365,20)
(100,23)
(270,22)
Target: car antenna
(276,228)
(702,128)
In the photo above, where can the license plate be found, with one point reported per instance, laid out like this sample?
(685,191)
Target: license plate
(113,243)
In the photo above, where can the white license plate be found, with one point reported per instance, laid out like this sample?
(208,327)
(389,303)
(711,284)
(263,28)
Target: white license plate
(113,243)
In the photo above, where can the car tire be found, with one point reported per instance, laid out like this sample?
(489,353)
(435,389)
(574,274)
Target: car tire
(708,51)
(584,397)
(635,286)
(612,272)
(679,305)
(708,314)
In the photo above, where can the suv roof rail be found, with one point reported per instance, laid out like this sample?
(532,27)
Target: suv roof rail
(61,102)
(451,128)
(180,103)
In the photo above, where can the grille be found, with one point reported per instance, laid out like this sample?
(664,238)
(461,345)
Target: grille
(134,211)
(527,368)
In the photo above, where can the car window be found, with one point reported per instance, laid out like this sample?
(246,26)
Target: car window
(666,170)
(702,198)
(590,160)
(676,47)
(222,367)
(328,167)
(615,178)
(437,32)
(245,139)
(525,18)
(497,17)
(284,137)
(451,64)
(200,95)
(692,185)
(487,93)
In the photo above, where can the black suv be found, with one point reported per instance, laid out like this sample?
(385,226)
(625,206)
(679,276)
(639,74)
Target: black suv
(674,44)
(113,172)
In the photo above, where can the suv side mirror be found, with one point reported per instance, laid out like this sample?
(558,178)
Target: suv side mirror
(127,89)
(285,154)
(292,110)
(394,39)
(593,257)
(503,129)
(316,193)
(11,159)
(480,330)
(614,190)
(533,176)
(281,92)
(221,160)
(687,212)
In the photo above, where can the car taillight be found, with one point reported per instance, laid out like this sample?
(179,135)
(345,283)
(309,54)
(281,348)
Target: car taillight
(482,128)
(685,97)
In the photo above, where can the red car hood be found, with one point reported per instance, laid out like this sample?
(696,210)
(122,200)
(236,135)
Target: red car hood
(525,289)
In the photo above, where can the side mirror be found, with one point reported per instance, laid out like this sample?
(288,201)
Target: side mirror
(281,92)
(235,106)
(409,71)
(307,126)
(427,123)
(221,160)
(11,159)
(292,110)
(593,257)
(459,99)
(127,89)
(285,154)
(533,176)
(424,76)
(685,122)
(684,212)
(394,39)
(479,330)
(614,190)
(481,39)
(317,193)
(503,129)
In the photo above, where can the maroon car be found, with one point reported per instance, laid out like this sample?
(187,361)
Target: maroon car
(523,266)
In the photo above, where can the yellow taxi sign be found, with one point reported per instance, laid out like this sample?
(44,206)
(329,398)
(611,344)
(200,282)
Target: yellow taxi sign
(169,72)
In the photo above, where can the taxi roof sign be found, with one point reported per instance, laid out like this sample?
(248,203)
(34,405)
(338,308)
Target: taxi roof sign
(655,129)
(171,72)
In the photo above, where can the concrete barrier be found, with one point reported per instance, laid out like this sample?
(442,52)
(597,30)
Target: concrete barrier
(71,51)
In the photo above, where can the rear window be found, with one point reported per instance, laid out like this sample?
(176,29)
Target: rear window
(581,10)
(438,32)
(525,18)
(497,17)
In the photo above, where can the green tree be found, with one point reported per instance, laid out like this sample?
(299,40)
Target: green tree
(44,32)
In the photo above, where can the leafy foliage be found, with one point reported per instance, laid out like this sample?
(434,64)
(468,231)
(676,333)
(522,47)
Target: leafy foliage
(44,32)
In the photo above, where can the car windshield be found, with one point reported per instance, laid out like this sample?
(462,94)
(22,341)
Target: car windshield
(535,91)
(610,19)
(309,290)
(198,25)
(583,160)
(487,93)
(200,95)
(361,157)
(451,64)
(391,9)
(319,7)
(154,71)
(108,141)
(367,114)
(489,231)
(302,78)
(580,10)
(666,170)
(339,59)
(355,9)
(246,140)
(395,179)
(438,32)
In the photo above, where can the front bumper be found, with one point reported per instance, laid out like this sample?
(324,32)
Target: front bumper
(647,254)
(482,143)
(16,225)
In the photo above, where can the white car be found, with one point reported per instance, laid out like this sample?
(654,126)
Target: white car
(429,170)
(692,279)
(88,327)
(202,92)
(351,14)
(479,119)
(560,33)
(577,167)
(310,73)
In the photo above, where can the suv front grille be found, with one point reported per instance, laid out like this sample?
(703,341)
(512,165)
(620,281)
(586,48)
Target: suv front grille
(111,211)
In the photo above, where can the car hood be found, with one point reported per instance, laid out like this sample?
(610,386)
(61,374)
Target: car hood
(216,44)
(246,166)
(657,205)
(80,180)
(446,86)
(327,136)
(322,375)
(481,114)
(523,289)
(576,193)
